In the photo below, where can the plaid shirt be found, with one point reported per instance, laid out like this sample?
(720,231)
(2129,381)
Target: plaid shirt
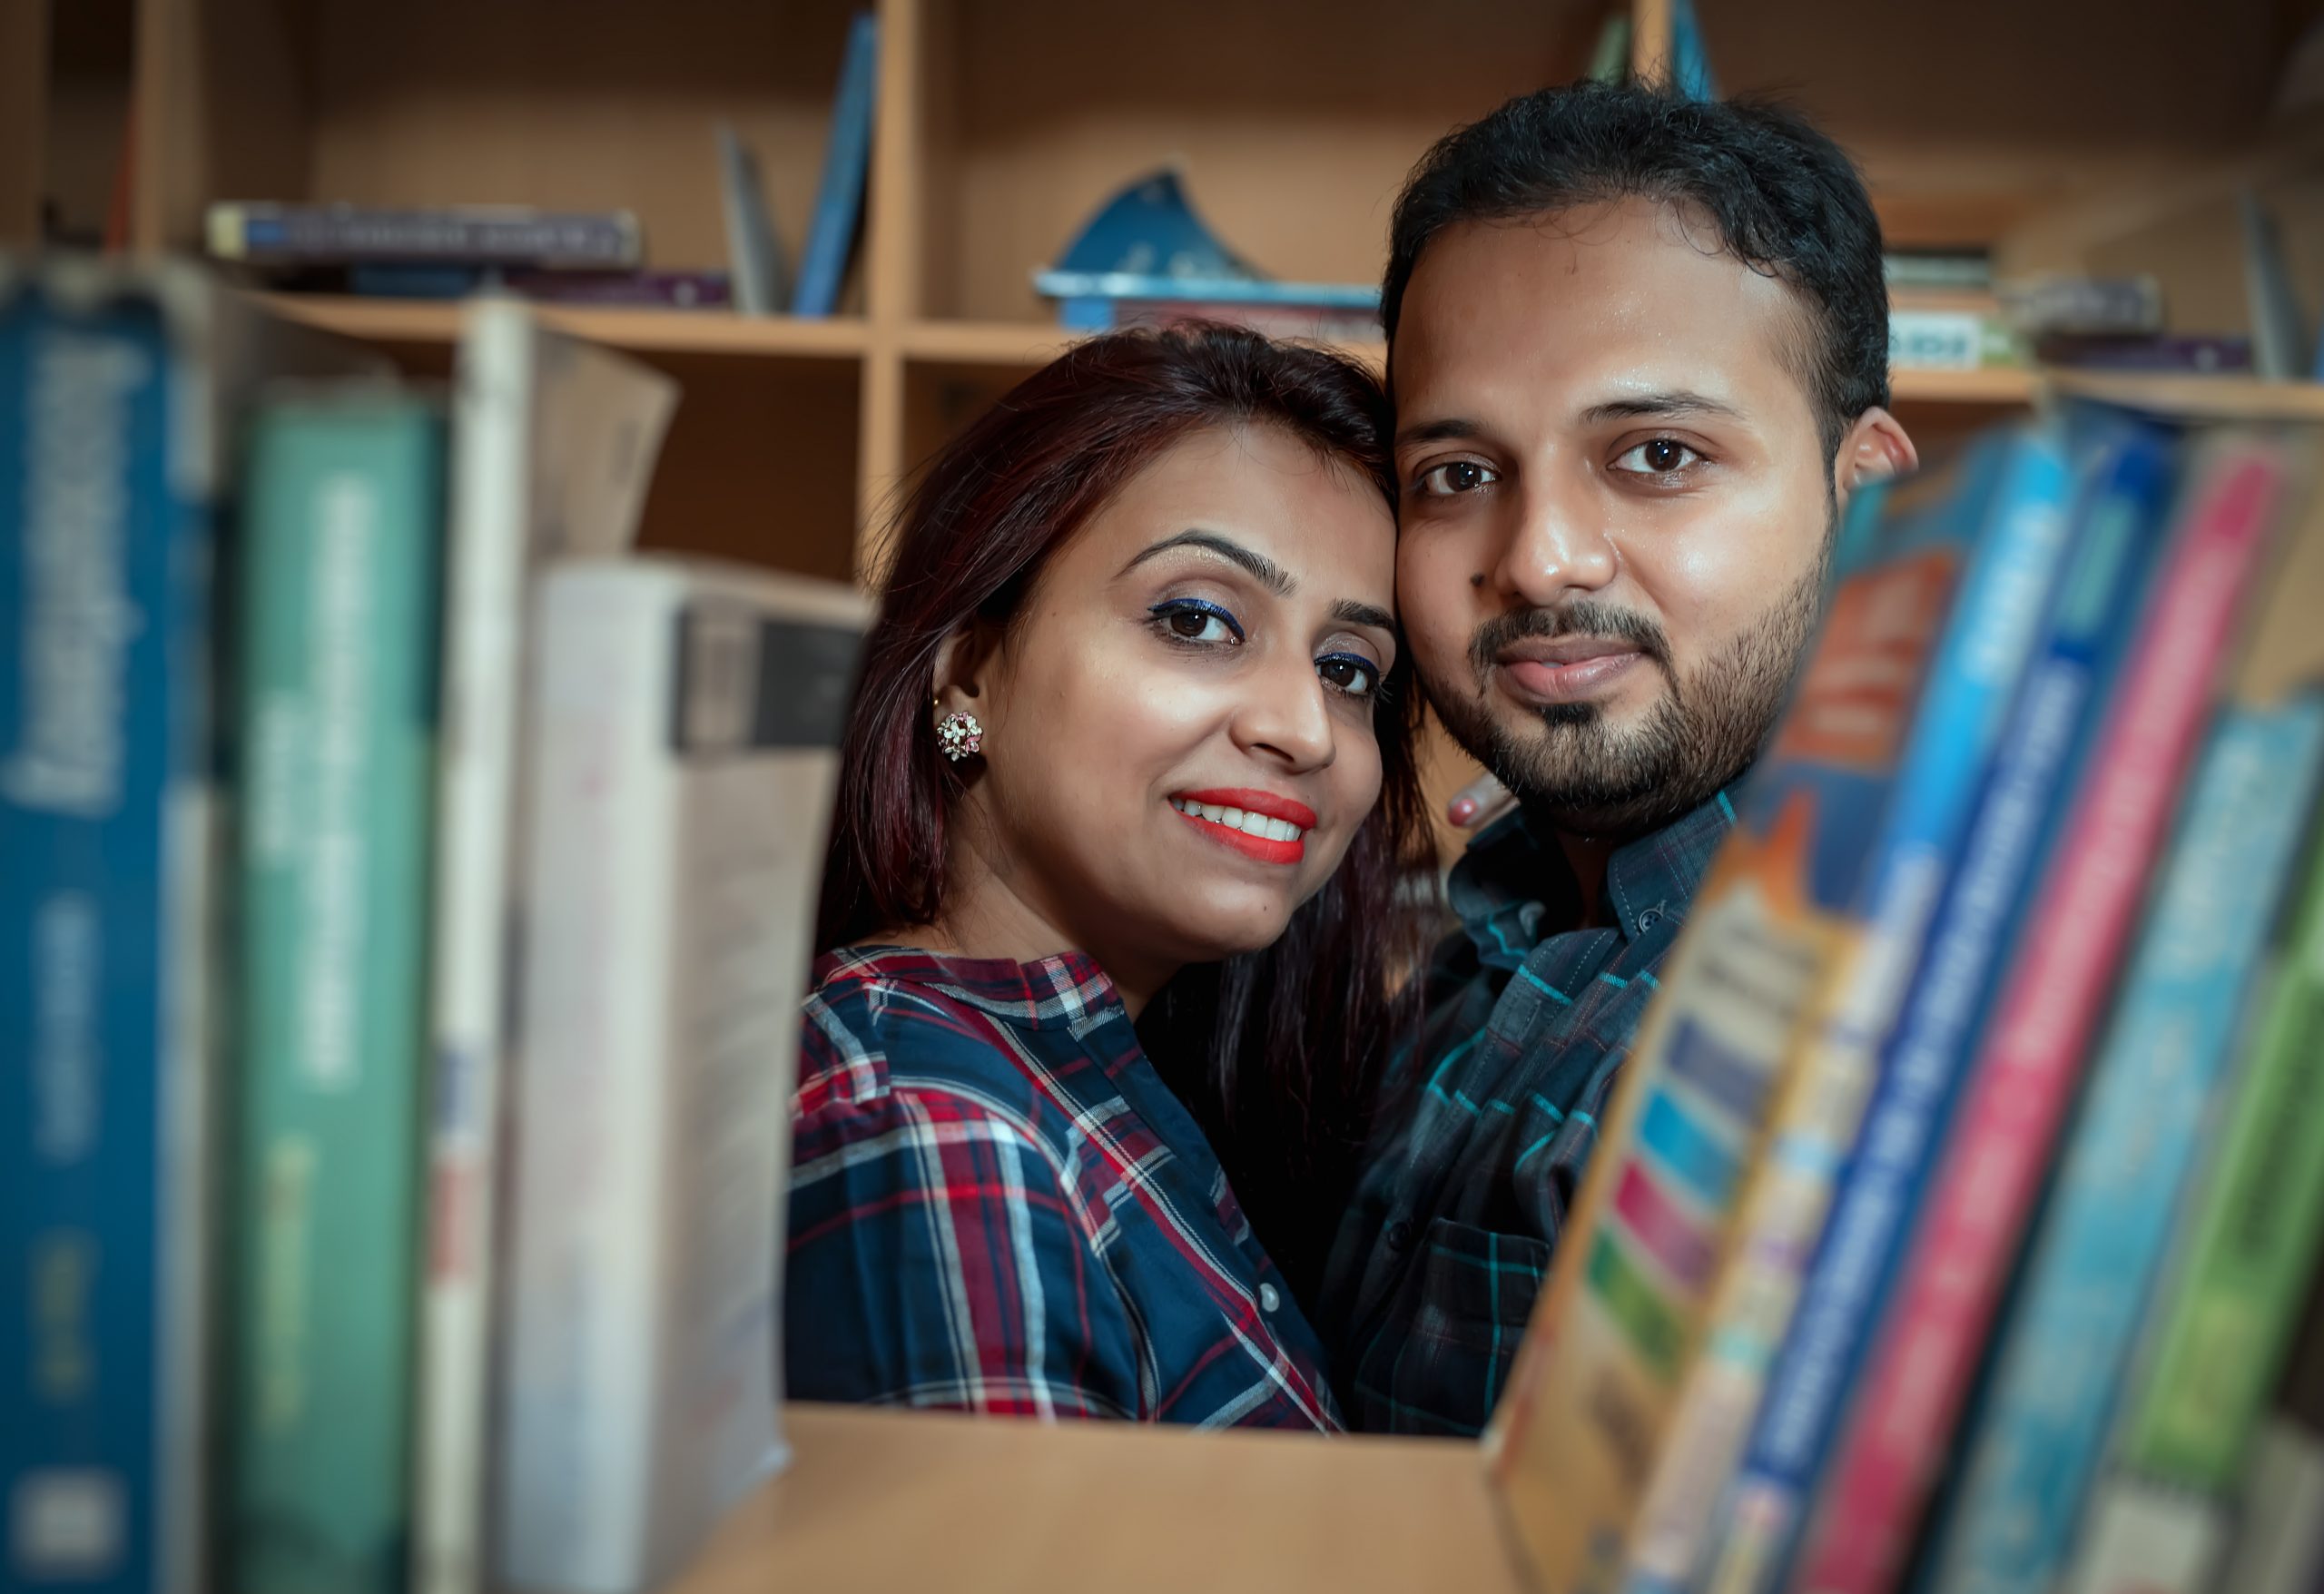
(996,1205)
(1465,1188)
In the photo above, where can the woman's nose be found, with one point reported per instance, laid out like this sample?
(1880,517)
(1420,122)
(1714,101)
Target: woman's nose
(1286,717)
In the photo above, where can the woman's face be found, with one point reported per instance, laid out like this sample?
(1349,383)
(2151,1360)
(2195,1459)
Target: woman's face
(1179,727)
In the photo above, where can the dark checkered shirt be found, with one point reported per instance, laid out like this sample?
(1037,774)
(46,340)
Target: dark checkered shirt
(1491,1116)
(996,1205)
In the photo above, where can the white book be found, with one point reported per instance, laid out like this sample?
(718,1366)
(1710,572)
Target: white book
(684,755)
(553,446)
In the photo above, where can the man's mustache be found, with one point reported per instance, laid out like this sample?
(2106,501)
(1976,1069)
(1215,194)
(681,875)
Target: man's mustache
(1580,617)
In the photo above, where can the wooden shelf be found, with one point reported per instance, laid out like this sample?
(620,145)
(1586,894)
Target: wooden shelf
(1995,386)
(1023,345)
(876,1500)
(642,330)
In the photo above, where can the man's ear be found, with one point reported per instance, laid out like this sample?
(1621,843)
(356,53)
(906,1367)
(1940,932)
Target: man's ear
(1875,448)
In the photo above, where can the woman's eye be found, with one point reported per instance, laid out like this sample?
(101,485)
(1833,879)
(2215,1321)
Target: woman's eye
(1456,476)
(1656,457)
(1192,621)
(1346,673)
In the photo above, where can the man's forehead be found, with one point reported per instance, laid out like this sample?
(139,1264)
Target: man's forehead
(1573,310)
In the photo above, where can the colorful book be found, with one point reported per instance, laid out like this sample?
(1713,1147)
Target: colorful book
(2089,1280)
(847,162)
(1888,1148)
(2019,513)
(2161,1518)
(1925,1352)
(1941,331)
(120,392)
(337,564)
(476,235)
(684,755)
(759,274)
(553,447)
(2279,1545)
(1576,1442)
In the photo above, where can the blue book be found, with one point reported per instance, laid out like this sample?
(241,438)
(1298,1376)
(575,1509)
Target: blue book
(2119,524)
(2098,1251)
(839,202)
(1690,63)
(104,769)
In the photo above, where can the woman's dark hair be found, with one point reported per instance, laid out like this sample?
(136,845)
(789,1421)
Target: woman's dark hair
(1784,199)
(1276,1051)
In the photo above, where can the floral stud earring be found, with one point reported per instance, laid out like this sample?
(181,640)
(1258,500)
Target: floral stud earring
(958,734)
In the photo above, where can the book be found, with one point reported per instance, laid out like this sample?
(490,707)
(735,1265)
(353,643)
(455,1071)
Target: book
(2280,347)
(671,289)
(685,754)
(838,197)
(336,694)
(1909,1393)
(2100,1244)
(1934,329)
(761,278)
(2222,354)
(2052,305)
(121,393)
(1577,1439)
(1884,1146)
(2015,507)
(501,235)
(2278,1535)
(553,446)
(1691,71)
(2162,1516)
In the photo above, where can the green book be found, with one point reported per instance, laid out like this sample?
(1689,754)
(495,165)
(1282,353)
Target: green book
(336,689)
(2162,1516)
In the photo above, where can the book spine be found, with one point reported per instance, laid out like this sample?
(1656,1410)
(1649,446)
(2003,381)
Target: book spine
(839,201)
(472,923)
(103,775)
(2187,1427)
(1934,1329)
(345,235)
(2101,1241)
(1998,616)
(336,690)
(1574,1443)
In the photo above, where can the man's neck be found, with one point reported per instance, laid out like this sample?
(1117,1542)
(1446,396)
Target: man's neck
(1587,857)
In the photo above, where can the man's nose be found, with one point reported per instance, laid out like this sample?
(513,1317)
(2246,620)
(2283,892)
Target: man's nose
(1558,546)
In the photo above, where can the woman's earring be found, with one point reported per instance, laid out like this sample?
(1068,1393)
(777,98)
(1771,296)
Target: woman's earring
(958,734)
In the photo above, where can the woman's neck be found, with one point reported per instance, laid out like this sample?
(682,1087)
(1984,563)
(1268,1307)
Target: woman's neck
(986,915)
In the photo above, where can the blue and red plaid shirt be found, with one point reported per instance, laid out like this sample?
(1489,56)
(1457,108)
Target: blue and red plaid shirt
(996,1205)
(1466,1187)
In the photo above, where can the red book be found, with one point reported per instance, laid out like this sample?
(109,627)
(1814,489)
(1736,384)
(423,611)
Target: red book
(1896,1438)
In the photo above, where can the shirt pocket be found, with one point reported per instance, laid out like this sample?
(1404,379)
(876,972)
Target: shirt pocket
(1454,1329)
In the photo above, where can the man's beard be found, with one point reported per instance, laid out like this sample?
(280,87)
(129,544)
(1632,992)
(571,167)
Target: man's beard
(1592,778)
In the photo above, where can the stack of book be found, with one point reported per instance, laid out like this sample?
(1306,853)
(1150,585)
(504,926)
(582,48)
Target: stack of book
(405,898)
(1954,1217)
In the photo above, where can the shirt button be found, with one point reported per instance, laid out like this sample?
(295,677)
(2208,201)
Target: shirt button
(1268,1298)
(1399,1235)
(1649,919)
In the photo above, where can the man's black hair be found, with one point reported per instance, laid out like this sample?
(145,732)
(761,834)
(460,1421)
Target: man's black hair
(1786,201)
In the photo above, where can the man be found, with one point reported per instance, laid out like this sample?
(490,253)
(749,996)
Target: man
(1639,352)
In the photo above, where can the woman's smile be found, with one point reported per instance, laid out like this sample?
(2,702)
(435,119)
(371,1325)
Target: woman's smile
(1258,824)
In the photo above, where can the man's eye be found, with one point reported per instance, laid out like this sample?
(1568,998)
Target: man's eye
(1656,457)
(1458,476)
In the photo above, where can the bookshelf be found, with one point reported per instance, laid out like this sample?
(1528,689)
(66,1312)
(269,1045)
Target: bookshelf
(1001,123)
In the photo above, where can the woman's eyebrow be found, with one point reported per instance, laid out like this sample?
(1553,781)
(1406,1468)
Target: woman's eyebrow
(1266,571)
(1349,612)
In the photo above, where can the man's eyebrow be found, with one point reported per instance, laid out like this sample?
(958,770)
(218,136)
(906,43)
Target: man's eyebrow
(1672,404)
(1266,571)
(1348,612)
(1452,428)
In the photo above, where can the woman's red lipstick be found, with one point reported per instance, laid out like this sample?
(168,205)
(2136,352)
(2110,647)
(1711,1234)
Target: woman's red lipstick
(1231,802)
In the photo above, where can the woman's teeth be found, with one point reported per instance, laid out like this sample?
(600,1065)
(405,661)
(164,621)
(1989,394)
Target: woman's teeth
(1235,818)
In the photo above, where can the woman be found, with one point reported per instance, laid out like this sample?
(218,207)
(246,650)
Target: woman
(1132,746)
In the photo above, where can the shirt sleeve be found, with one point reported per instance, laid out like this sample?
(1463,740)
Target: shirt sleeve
(938,1260)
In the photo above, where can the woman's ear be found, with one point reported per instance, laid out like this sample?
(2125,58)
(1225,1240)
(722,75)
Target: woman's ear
(962,677)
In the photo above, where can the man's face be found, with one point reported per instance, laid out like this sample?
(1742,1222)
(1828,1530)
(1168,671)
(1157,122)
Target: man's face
(1616,505)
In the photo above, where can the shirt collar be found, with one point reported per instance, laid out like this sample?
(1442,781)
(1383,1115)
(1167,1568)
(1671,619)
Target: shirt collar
(1513,886)
(1066,991)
